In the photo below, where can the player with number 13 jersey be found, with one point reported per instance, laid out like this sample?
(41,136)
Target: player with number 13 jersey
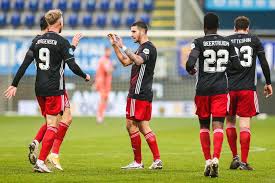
(242,86)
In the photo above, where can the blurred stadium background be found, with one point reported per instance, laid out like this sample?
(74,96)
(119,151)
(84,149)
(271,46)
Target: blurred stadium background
(173,26)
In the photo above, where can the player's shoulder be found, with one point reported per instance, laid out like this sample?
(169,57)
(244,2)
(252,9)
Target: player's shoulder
(149,44)
(36,38)
(254,38)
(148,47)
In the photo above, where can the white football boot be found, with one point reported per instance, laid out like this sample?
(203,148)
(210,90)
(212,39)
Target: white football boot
(133,165)
(41,167)
(157,164)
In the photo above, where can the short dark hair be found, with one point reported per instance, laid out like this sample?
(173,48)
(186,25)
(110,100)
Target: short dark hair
(211,21)
(241,23)
(141,24)
(43,23)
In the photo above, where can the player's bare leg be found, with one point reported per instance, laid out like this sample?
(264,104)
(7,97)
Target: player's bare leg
(150,137)
(101,107)
(133,130)
(47,142)
(65,122)
(245,142)
(217,126)
(206,144)
(231,134)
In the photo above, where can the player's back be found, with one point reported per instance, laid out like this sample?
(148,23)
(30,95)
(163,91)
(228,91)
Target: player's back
(215,53)
(247,47)
(49,54)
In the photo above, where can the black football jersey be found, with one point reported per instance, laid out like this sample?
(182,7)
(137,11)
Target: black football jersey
(215,55)
(51,51)
(247,47)
(142,75)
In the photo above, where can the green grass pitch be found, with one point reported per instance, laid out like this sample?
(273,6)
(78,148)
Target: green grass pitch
(95,153)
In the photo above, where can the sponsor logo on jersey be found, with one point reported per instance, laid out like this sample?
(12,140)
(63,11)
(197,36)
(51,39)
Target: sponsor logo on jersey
(71,52)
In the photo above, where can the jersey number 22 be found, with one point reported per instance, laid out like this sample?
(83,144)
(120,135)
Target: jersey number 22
(221,57)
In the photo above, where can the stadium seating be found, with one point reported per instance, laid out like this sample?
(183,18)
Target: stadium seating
(19,5)
(33,5)
(119,5)
(79,14)
(15,20)
(48,4)
(90,6)
(116,21)
(148,5)
(62,5)
(130,19)
(101,21)
(104,5)
(30,20)
(145,18)
(3,20)
(73,20)
(133,5)
(5,5)
(76,5)
(87,21)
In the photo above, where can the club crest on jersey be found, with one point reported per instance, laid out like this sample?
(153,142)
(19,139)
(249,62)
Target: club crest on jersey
(146,51)
(71,52)
(192,46)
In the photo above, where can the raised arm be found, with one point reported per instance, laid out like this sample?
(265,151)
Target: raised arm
(124,60)
(68,57)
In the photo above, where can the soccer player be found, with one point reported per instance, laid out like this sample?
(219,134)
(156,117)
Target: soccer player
(66,119)
(103,82)
(139,101)
(213,53)
(242,86)
(51,51)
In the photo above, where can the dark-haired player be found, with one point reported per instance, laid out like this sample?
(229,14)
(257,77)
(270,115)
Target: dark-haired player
(51,52)
(242,86)
(214,53)
(139,101)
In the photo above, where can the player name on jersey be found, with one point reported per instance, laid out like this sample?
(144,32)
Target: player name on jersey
(215,43)
(47,41)
(240,41)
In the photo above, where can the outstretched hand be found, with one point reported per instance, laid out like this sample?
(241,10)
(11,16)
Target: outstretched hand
(76,39)
(10,92)
(112,38)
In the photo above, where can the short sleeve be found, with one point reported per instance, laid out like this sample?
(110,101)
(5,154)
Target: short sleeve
(67,51)
(145,53)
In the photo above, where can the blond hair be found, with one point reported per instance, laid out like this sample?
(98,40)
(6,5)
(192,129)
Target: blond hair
(52,16)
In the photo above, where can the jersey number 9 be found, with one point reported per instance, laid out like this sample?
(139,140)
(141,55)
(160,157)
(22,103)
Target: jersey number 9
(44,56)
(221,57)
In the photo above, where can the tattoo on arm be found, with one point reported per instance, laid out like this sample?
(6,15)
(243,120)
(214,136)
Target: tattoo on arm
(135,58)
